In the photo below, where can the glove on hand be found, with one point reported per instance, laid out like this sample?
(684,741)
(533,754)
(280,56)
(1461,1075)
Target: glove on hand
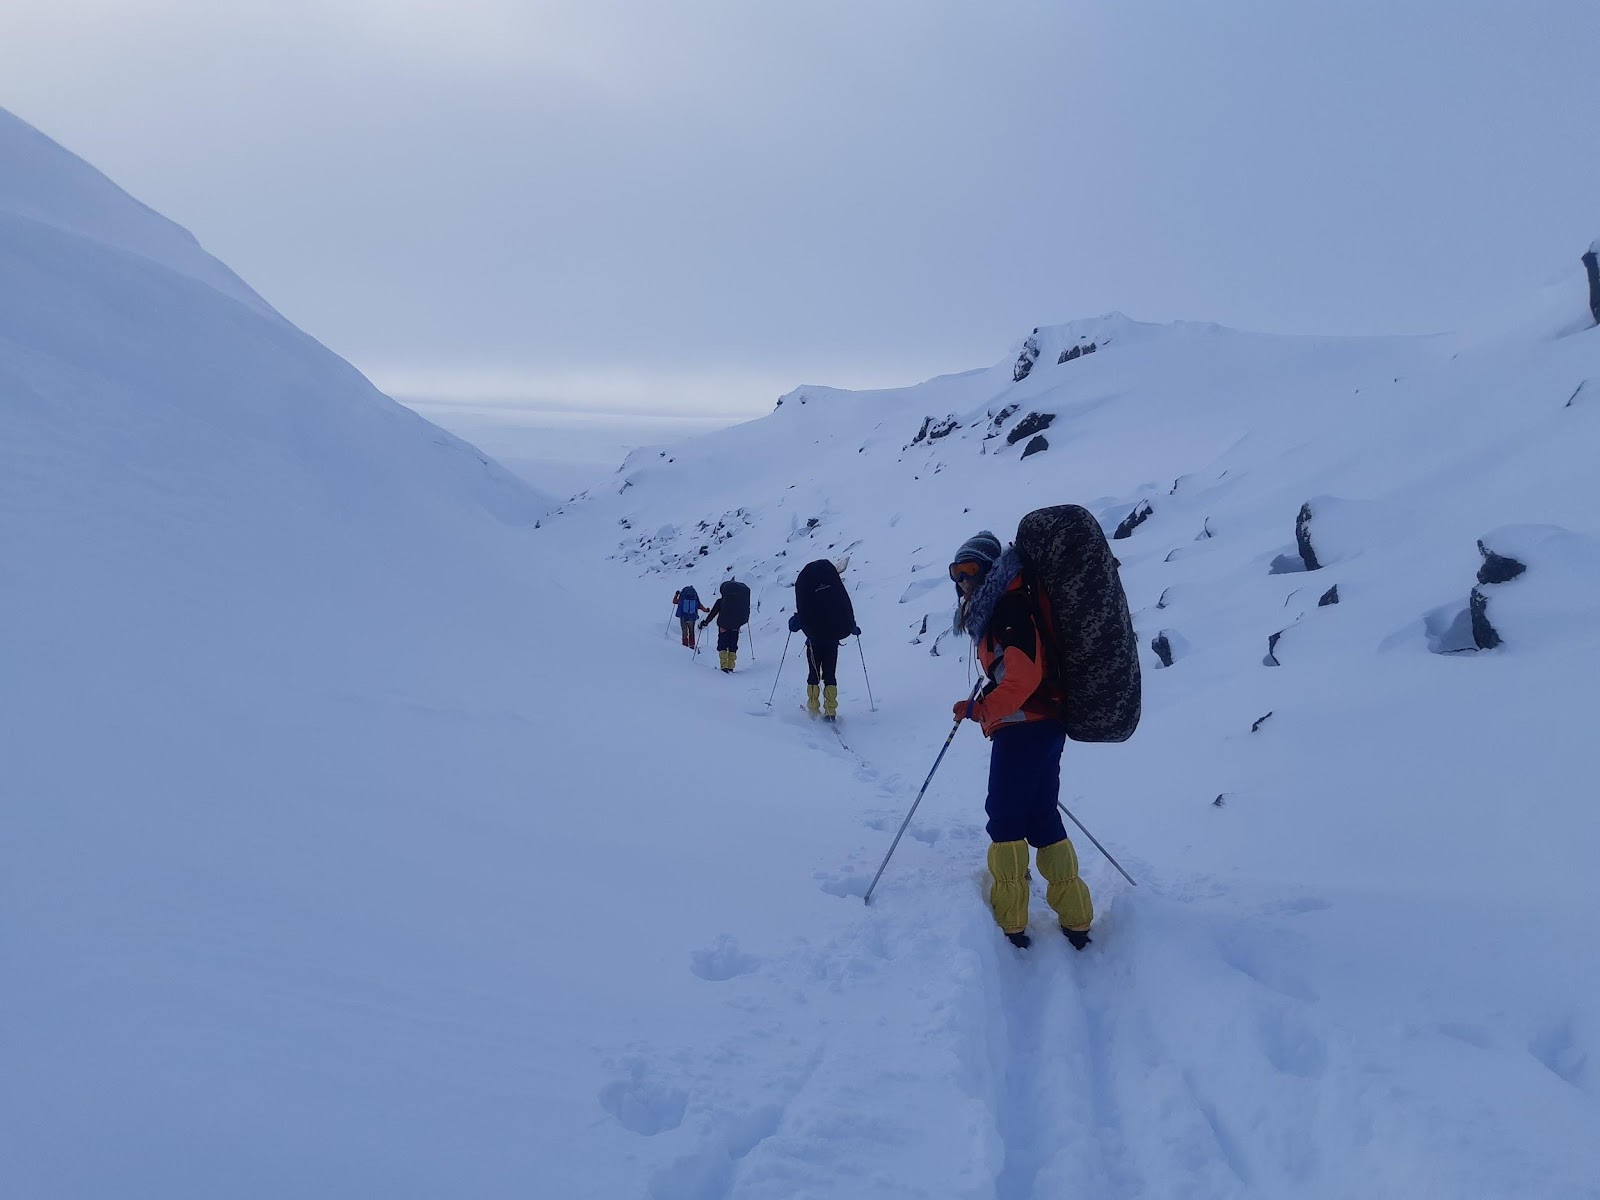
(856,632)
(961,708)
(794,623)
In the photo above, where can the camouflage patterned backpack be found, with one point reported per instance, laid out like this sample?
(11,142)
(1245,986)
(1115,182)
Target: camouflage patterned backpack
(1090,650)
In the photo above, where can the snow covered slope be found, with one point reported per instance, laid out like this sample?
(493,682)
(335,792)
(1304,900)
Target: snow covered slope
(1360,959)
(299,787)
(363,838)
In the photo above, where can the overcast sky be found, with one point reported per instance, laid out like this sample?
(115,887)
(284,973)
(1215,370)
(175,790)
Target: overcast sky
(692,205)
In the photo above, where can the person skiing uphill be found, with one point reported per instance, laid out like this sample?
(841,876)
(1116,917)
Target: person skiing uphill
(686,603)
(731,612)
(1020,711)
(823,612)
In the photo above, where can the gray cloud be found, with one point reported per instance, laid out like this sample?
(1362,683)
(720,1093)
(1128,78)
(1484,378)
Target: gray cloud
(740,193)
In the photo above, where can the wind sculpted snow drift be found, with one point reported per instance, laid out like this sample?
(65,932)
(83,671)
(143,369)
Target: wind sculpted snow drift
(365,839)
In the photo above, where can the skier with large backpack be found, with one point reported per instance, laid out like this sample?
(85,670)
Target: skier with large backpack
(823,612)
(686,605)
(1049,623)
(731,613)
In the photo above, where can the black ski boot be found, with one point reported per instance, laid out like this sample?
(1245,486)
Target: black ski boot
(1020,940)
(1078,937)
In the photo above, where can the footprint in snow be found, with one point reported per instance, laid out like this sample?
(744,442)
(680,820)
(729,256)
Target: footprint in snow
(643,1105)
(843,883)
(1289,1043)
(724,960)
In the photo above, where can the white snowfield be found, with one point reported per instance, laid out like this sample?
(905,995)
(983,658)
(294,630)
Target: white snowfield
(364,838)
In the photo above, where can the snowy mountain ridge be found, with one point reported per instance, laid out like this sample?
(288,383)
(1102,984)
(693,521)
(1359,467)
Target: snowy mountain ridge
(1181,400)
(42,183)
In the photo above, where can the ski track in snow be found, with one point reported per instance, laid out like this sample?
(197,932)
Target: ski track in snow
(1048,1030)
(1073,1078)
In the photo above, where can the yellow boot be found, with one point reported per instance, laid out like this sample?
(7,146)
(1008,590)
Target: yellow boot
(722,660)
(813,699)
(733,657)
(1067,893)
(830,701)
(1008,895)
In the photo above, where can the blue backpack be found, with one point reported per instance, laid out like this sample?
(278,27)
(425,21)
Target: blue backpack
(688,603)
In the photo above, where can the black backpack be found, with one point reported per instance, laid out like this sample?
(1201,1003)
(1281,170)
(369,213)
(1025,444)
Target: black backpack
(735,604)
(822,604)
(1090,650)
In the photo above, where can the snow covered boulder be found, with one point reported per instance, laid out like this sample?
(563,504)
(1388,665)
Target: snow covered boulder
(1168,646)
(1140,514)
(1537,585)
(1329,530)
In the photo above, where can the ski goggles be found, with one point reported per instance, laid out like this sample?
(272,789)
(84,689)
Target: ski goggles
(965,570)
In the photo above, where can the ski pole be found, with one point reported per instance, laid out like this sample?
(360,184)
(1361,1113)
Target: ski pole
(868,678)
(1097,844)
(750,631)
(867,899)
(667,632)
(781,661)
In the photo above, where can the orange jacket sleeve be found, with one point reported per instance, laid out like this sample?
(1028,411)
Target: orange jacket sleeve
(1018,677)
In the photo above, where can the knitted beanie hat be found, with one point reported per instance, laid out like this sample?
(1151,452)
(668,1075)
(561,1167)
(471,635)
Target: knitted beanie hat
(982,548)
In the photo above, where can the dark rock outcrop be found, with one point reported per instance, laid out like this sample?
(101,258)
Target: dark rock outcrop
(1163,649)
(1140,514)
(1495,568)
(933,429)
(1025,360)
(1034,422)
(1302,539)
(1484,635)
(1591,264)
(1037,446)
(1260,721)
(1331,596)
(1498,568)
(998,421)
(1271,660)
